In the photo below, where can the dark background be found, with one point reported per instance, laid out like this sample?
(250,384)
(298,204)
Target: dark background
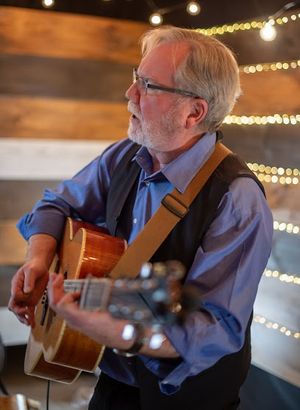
(213,12)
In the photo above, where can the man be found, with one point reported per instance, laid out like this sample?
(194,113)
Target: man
(183,88)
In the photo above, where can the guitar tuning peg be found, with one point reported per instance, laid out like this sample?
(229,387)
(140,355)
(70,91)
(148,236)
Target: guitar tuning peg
(157,338)
(113,309)
(146,270)
(148,284)
(175,269)
(156,341)
(133,285)
(126,283)
(159,269)
(159,296)
(126,311)
(119,283)
(140,315)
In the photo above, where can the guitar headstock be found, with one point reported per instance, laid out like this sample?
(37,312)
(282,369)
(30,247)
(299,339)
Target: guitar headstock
(155,297)
(158,296)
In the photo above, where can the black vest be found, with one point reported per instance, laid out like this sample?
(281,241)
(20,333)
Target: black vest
(223,380)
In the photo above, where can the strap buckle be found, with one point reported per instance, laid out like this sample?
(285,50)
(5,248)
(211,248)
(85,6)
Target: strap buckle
(175,206)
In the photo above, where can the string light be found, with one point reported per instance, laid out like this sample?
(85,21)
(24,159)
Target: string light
(283,119)
(269,324)
(273,170)
(193,8)
(268,31)
(48,3)
(283,277)
(268,174)
(246,26)
(279,65)
(286,227)
(156,19)
(275,180)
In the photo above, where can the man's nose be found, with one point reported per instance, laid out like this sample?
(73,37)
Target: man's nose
(133,93)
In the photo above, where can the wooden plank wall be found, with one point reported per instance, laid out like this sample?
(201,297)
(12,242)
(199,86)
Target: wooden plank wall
(60,82)
(62,77)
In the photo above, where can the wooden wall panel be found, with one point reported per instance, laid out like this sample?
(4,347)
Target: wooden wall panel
(55,77)
(77,74)
(44,159)
(270,92)
(25,117)
(13,246)
(101,80)
(19,196)
(251,49)
(46,33)
(64,76)
(275,145)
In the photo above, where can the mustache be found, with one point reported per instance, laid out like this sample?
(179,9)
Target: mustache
(133,109)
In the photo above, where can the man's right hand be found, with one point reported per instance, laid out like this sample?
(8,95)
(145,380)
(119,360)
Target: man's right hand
(27,287)
(30,281)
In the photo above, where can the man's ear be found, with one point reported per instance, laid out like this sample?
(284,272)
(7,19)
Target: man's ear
(198,112)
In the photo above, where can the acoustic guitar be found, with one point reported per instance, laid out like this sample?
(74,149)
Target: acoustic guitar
(85,258)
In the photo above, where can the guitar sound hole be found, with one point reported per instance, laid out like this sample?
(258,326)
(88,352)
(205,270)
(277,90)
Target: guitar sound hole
(45,309)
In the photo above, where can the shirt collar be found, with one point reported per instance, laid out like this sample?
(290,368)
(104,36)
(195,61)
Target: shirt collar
(182,169)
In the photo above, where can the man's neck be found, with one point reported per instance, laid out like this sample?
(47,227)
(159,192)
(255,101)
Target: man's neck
(162,158)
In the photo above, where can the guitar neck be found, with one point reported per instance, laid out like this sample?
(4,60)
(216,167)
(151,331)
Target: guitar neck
(94,293)
(152,298)
(122,298)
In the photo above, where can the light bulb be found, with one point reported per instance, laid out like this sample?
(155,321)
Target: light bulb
(193,8)
(156,19)
(48,3)
(268,32)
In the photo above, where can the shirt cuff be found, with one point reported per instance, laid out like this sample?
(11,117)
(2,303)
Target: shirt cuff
(38,223)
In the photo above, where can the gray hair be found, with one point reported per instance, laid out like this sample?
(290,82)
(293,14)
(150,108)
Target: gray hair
(209,70)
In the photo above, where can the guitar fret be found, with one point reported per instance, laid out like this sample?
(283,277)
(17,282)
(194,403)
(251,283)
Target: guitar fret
(95,292)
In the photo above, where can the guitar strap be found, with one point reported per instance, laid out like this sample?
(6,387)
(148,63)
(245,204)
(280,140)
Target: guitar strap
(173,208)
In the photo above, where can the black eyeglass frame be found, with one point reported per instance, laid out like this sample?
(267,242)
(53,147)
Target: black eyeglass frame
(148,85)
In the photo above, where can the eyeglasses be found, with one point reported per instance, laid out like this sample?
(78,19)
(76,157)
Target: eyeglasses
(145,85)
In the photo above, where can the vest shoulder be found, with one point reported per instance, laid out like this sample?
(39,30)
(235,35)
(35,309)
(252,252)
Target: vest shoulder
(233,167)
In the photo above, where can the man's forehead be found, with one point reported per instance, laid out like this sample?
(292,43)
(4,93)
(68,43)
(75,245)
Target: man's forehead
(170,49)
(165,56)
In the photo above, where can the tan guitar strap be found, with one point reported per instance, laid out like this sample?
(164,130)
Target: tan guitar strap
(173,208)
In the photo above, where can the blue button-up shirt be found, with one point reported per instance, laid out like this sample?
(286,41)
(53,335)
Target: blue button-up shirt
(227,266)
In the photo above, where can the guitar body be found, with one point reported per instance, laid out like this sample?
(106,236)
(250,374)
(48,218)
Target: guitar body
(54,350)
(35,363)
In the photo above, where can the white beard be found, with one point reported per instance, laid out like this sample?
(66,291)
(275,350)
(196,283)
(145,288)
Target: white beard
(158,134)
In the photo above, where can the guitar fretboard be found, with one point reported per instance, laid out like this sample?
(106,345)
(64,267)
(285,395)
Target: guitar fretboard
(122,298)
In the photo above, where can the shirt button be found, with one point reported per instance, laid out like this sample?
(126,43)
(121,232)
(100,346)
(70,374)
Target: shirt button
(134,220)
(147,183)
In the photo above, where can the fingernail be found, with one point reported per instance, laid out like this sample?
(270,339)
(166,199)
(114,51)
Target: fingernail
(26,289)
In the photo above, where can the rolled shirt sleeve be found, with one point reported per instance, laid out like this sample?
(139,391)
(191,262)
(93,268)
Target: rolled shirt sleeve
(81,197)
